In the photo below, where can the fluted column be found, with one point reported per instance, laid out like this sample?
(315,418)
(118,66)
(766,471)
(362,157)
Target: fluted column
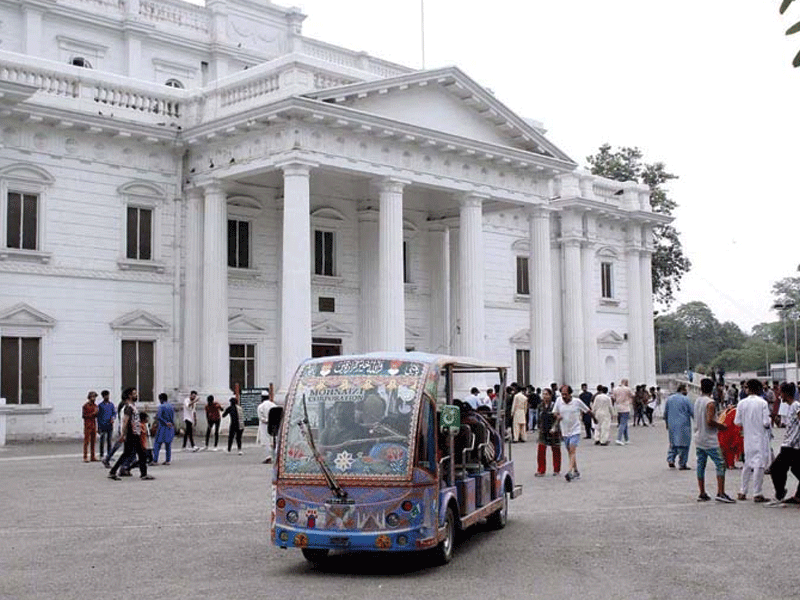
(471,276)
(541,303)
(439,241)
(635,330)
(646,270)
(573,312)
(295,325)
(193,289)
(589,285)
(368,275)
(391,289)
(215,367)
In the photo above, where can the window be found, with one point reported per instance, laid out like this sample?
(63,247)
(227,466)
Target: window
(139,233)
(242,365)
(326,347)
(238,244)
(523,283)
(19,382)
(22,221)
(138,368)
(406,277)
(523,366)
(79,61)
(174,83)
(606,280)
(324,263)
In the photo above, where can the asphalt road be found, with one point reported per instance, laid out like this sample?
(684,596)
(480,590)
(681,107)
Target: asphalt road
(630,528)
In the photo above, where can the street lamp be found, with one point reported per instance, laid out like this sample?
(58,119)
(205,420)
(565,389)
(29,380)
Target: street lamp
(688,337)
(783,308)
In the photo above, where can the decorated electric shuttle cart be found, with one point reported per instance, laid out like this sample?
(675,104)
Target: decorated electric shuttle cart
(376,453)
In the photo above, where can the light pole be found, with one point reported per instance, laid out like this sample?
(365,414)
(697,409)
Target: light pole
(688,337)
(783,307)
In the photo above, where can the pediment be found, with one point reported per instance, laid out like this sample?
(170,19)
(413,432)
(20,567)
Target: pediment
(327,327)
(444,100)
(522,337)
(139,320)
(243,324)
(23,315)
(610,338)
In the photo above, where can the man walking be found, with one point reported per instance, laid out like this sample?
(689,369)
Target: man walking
(189,419)
(789,454)
(753,415)
(106,413)
(603,411)
(263,425)
(89,413)
(678,414)
(706,443)
(586,398)
(130,430)
(623,401)
(568,416)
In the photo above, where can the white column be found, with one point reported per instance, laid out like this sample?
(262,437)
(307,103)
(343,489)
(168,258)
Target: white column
(439,244)
(368,275)
(295,338)
(471,277)
(215,367)
(589,285)
(391,289)
(33,30)
(541,304)
(574,371)
(646,269)
(635,334)
(193,290)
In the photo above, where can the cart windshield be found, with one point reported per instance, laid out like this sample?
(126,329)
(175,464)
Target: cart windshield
(362,415)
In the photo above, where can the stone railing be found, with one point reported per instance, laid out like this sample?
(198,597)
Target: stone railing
(177,14)
(254,88)
(84,90)
(348,58)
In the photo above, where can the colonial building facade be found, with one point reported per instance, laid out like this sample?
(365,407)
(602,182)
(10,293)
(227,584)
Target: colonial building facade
(193,197)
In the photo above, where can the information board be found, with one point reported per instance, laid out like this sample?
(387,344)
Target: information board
(249,399)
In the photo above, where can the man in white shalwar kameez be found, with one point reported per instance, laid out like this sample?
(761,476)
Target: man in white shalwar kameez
(263,425)
(753,415)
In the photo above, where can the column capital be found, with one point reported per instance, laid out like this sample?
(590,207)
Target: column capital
(213,187)
(194,193)
(297,168)
(538,211)
(391,185)
(472,199)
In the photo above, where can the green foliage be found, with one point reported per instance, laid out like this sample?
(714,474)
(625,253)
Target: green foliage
(792,30)
(669,263)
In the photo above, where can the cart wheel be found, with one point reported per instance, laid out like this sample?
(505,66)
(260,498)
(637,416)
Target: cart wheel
(444,551)
(315,555)
(499,518)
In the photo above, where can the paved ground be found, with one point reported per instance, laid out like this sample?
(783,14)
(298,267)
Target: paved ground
(630,528)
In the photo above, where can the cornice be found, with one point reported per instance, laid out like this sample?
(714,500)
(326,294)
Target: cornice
(610,210)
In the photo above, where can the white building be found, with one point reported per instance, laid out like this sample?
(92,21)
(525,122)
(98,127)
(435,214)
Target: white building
(196,196)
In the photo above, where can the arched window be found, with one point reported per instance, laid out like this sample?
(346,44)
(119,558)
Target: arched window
(79,61)
(174,83)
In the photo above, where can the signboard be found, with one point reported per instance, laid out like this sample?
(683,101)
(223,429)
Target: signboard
(450,419)
(249,399)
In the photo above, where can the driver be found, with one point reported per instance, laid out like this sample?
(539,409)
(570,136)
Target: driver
(341,425)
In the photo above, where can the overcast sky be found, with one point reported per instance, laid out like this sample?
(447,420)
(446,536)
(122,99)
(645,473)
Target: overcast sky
(707,87)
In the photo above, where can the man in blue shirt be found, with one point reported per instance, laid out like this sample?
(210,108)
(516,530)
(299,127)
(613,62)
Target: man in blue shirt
(678,414)
(106,414)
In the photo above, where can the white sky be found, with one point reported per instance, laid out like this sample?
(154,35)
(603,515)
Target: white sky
(707,87)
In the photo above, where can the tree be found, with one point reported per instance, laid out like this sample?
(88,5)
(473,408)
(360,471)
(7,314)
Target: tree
(669,263)
(793,29)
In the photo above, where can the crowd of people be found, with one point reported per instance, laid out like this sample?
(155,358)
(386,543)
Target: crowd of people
(141,439)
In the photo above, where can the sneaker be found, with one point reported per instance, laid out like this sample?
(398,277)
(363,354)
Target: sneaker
(792,501)
(703,498)
(538,474)
(214,449)
(774,503)
(568,476)
(671,465)
(267,460)
(147,477)
(195,449)
(759,499)
(575,475)
(741,497)
(204,449)
(724,498)
(620,443)
(166,463)
(240,452)
(114,476)
(685,468)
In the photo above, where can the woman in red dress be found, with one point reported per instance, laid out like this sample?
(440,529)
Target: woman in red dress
(731,441)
